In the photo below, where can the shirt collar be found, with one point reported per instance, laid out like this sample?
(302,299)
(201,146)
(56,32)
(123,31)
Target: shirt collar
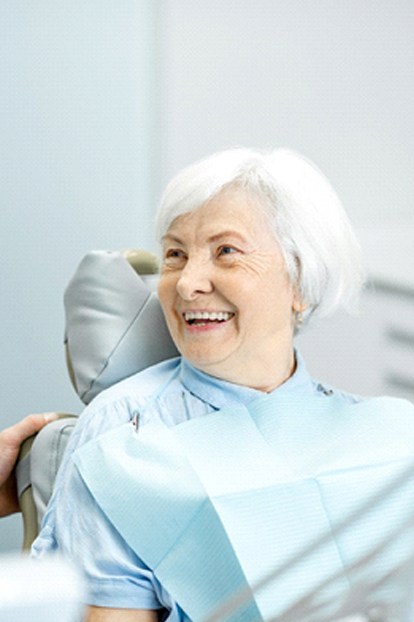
(220,393)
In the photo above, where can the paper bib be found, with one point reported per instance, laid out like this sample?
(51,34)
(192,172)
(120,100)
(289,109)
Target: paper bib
(295,509)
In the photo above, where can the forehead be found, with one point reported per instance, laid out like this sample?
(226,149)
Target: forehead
(229,211)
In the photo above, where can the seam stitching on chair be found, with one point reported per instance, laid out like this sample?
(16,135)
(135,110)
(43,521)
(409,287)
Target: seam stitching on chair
(116,346)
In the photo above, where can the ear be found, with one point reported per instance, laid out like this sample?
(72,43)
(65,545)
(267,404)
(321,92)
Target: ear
(298,308)
(298,304)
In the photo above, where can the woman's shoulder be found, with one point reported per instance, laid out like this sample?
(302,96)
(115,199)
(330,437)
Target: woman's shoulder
(379,404)
(140,385)
(389,412)
(118,404)
(323,390)
(396,407)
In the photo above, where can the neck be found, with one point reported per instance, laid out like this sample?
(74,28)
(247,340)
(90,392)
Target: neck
(262,376)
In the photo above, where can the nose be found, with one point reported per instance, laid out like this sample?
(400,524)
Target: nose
(195,279)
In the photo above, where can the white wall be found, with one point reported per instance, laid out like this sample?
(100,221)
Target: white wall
(78,152)
(331,79)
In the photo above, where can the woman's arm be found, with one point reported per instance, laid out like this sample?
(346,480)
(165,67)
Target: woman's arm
(104,614)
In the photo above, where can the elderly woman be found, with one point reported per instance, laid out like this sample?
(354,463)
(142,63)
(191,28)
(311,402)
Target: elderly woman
(227,484)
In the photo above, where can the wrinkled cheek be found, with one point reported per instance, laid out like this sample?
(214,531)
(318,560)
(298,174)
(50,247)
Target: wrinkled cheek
(166,294)
(173,324)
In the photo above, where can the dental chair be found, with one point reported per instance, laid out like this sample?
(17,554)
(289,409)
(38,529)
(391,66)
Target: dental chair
(114,328)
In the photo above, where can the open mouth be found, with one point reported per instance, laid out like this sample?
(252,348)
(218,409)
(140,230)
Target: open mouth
(202,318)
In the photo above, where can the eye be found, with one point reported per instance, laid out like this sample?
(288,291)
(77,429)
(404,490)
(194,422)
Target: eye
(226,249)
(174,257)
(173,253)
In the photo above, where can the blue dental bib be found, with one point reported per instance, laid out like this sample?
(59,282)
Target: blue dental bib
(289,509)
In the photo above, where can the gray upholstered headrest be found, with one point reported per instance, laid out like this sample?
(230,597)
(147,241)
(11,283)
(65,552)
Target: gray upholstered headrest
(114,323)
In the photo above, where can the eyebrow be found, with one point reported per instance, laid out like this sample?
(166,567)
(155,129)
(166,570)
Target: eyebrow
(213,238)
(169,236)
(227,234)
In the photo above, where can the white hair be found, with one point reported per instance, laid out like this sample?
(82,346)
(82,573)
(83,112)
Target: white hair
(322,254)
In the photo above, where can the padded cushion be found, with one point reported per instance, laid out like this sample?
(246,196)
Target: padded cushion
(51,441)
(114,324)
(39,459)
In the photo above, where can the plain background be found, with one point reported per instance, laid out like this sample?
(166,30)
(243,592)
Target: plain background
(102,101)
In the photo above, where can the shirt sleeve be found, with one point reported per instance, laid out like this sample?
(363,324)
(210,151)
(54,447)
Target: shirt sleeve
(76,527)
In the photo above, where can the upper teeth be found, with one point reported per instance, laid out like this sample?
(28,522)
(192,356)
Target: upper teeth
(205,315)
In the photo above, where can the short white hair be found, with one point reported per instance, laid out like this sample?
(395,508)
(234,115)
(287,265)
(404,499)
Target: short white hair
(322,254)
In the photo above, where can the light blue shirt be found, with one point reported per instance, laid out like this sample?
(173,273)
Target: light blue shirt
(74,525)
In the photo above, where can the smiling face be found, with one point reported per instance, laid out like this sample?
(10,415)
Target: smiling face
(225,292)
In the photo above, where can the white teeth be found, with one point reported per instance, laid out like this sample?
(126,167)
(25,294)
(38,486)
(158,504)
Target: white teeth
(205,315)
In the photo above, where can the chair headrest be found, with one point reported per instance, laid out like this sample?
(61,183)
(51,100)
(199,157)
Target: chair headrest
(114,325)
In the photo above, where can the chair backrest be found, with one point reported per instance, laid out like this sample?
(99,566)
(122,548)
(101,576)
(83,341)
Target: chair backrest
(36,470)
(114,328)
(114,323)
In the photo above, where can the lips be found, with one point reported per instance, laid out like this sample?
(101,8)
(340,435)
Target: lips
(205,317)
